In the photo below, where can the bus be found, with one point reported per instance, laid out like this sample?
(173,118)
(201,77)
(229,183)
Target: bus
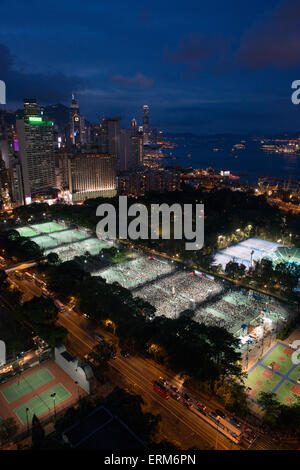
(160,389)
(39,282)
(28,276)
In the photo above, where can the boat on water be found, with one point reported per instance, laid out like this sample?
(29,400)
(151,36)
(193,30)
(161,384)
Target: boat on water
(238,147)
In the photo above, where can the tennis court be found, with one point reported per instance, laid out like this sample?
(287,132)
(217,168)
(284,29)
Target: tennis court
(26,385)
(33,390)
(26,231)
(69,236)
(44,241)
(42,403)
(48,227)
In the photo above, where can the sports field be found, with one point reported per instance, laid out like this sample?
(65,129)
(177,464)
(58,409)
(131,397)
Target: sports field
(44,241)
(42,403)
(69,236)
(26,385)
(275,373)
(26,231)
(33,390)
(48,227)
(243,252)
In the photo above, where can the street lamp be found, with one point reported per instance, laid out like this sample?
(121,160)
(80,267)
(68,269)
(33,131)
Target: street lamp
(53,395)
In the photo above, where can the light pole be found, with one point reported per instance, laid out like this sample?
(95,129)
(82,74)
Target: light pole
(53,395)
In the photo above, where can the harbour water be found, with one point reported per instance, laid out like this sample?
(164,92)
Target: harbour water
(219,153)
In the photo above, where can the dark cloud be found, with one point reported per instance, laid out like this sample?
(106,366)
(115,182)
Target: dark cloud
(139,79)
(275,40)
(198,51)
(47,87)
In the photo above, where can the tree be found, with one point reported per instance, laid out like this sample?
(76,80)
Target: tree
(53,258)
(8,430)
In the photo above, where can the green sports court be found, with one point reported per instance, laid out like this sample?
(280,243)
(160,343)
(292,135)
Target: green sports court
(42,403)
(276,372)
(26,385)
(27,231)
(48,227)
(33,390)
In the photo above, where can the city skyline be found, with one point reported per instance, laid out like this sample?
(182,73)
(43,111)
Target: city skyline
(209,69)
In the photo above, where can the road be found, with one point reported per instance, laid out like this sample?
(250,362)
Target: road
(139,373)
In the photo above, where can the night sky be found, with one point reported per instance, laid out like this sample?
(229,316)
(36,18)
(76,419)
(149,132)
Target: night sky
(202,66)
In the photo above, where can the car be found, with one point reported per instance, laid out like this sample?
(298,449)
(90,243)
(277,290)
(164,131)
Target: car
(99,337)
(125,353)
(114,355)
(213,415)
(187,403)
(235,422)
(174,395)
(202,411)
(250,433)
(174,388)
(163,381)
(185,396)
(220,413)
(200,406)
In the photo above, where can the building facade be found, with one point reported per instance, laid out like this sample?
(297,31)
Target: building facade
(91,175)
(36,155)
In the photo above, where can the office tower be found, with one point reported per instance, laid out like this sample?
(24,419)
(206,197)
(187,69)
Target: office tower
(75,123)
(17,191)
(9,148)
(146,123)
(4,186)
(91,175)
(31,108)
(36,154)
(110,134)
(153,135)
(134,126)
(131,150)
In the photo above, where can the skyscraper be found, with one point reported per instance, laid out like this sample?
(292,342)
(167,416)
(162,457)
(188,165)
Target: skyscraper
(134,126)
(110,133)
(146,123)
(36,153)
(75,122)
(31,107)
